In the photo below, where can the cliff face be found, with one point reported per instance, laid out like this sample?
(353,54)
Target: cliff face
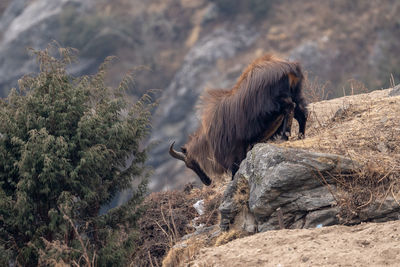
(31,24)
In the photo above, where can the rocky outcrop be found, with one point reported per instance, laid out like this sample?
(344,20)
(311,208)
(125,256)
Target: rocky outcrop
(279,187)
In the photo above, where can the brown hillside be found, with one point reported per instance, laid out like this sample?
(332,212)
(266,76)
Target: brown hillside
(323,35)
(363,127)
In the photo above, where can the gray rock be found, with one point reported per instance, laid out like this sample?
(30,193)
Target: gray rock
(380,211)
(298,182)
(324,217)
(279,187)
(395,91)
(234,207)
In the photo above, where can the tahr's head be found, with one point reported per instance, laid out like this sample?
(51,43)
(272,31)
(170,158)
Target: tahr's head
(190,162)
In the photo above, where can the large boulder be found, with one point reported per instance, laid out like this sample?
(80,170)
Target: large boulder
(278,187)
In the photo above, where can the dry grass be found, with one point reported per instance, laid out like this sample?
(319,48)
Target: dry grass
(242,193)
(183,253)
(365,128)
(227,237)
(314,90)
(211,215)
(169,216)
(186,251)
(55,252)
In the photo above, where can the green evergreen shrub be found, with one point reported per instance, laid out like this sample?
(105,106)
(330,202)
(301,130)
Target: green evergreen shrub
(68,145)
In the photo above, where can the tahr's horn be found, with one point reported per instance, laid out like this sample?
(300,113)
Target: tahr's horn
(176,154)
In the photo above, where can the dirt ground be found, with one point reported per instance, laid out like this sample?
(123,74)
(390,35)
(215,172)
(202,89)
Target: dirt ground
(368,244)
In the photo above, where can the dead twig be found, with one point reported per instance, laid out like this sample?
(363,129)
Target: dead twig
(84,255)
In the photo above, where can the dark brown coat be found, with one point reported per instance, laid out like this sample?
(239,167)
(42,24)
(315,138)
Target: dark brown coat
(261,104)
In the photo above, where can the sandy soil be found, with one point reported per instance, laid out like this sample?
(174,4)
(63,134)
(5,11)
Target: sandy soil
(369,244)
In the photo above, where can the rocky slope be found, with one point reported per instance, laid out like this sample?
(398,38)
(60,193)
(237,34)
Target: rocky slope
(281,186)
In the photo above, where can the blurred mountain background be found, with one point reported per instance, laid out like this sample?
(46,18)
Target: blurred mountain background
(184,46)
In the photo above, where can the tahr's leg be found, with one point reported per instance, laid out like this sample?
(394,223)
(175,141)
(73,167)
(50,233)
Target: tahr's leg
(273,128)
(289,124)
(300,114)
(286,127)
(234,169)
(288,112)
(240,155)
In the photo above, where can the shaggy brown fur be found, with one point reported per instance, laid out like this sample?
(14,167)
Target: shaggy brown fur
(261,104)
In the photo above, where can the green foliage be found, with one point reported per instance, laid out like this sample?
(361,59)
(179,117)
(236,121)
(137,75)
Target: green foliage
(67,147)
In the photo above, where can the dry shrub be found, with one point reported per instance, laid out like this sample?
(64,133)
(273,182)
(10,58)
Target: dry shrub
(366,129)
(355,87)
(370,184)
(212,196)
(167,218)
(242,193)
(59,253)
(185,251)
(227,237)
(314,90)
(212,201)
